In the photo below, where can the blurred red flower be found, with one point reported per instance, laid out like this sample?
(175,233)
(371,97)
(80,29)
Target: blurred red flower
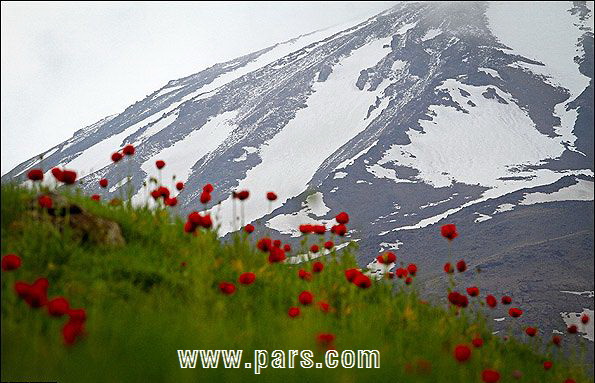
(449,231)
(117,156)
(317,267)
(342,218)
(58,307)
(490,376)
(35,174)
(293,312)
(515,312)
(247,278)
(128,150)
(227,288)
(11,262)
(45,202)
(306,297)
(462,353)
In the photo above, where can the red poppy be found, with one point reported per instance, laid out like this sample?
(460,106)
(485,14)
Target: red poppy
(68,176)
(449,231)
(324,306)
(271,196)
(408,280)
(171,201)
(208,188)
(303,274)
(160,164)
(461,266)
(317,267)
(71,331)
(458,299)
(556,340)
(306,297)
(155,194)
(287,247)
(103,182)
(45,202)
(325,339)
(490,376)
(57,173)
(351,274)
(277,243)
(58,307)
(515,312)
(189,227)
(448,268)
(227,288)
(77,315)
(329,245)
(462,353)
(584,319)
(491,301)
(362,281)
(386,258)
(319,229)
(276,255)
(401,273)
(128,150)
(477,342)
(506,300)
(342,218)
(249,228)
(473,291)
(205,197)
(247,278)
(96,197)
(206,221)
(243,195)
(547,365)
(531,331)
(314,249)
(180,185)
(36,294)
(412,269)
(572,329)
(35,174)
(11,262)
(117,156)
(293,312)
(264,244)
(339,230)
(195,218)
(306,229)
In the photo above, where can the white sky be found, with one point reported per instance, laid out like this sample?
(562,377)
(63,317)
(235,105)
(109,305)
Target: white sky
(67,65)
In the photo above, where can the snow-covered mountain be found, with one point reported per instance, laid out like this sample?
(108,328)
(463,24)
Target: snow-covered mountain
(479,114)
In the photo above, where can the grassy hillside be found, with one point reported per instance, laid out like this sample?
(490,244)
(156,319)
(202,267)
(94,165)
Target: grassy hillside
(160,292)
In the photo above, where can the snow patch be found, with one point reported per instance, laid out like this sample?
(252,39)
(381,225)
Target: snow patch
(344,117)
(431,33)
(575,319)
(181,156)
(581,191)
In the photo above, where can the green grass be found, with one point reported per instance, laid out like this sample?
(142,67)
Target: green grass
(143,306)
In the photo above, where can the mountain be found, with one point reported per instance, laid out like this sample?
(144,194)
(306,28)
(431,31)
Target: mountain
(478,114)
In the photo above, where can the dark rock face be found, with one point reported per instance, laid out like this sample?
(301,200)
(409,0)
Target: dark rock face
(433,121)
